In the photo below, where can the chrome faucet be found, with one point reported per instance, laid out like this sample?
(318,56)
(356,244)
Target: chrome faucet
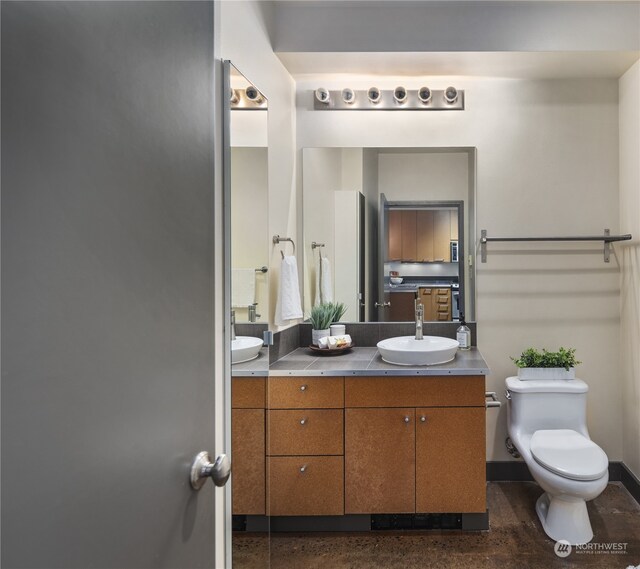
(419,318)
(252,312)
(233,325)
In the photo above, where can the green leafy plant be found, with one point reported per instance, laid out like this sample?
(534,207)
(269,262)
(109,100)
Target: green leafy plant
(325,314)
(531,357)
(322,316)
(338,311)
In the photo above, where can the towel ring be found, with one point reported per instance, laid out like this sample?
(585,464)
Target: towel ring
(277,240)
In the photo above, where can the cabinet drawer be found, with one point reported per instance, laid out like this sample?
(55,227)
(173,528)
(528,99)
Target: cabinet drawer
(305,392)
(305,432)
(305,486)
(248,392)
(430,391)
(443,291)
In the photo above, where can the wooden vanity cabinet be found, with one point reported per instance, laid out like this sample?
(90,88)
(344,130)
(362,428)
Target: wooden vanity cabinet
(248,445)
(305,446)
(380,464)
(450,459)
(415,445)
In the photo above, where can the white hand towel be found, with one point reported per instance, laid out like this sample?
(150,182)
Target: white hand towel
(318,293)
(326,286)
(288,305)
(243,287)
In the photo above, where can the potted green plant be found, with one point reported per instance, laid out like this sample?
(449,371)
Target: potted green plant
(534,364)
(321,318)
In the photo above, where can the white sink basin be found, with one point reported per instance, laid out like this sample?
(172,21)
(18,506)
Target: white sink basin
(245,348)
(407,351)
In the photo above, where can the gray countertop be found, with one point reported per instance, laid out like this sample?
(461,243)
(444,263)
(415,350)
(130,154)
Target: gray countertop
(258,367)
(360,361)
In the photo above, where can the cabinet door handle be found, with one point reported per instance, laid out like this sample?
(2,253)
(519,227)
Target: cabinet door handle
(303,421)
(303,468)
(406,419)
(303,388)
(383,305)
(423,419)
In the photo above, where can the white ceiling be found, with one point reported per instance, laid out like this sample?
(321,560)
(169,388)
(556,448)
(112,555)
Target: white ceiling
(520,65)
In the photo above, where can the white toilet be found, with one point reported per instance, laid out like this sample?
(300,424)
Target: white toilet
(547,425)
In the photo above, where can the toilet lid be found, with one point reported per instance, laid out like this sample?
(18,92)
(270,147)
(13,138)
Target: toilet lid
(569,454)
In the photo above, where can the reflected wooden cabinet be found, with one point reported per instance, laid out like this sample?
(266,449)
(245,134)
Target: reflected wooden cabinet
(422,235)
(403,307)
(436,302)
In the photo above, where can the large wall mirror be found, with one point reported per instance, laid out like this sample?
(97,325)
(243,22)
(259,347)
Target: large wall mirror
(249,201)
(247,194)
(386,226)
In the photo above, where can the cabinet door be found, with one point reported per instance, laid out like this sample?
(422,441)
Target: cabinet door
(402,307)
(379,461)
(442,235)
(394,244)
(424,240)
(450,460)
(248,444)
(409,220)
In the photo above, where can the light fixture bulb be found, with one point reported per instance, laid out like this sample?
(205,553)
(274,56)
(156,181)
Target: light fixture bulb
(322,95)
(374,95)
(348,96)
(253,95)
(424,94)
(400,95)
(451,95)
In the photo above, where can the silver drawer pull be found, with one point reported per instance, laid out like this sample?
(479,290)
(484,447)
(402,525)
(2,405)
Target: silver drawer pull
(406,419)
(423,419)
(303,421)
(303,388)
(303,469)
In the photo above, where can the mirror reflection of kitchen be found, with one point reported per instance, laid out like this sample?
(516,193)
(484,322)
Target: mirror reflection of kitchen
(393,226)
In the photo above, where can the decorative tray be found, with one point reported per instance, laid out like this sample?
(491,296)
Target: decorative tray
(327,352)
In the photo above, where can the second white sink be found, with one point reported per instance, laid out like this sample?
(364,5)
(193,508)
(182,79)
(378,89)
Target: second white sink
(407,351)
(245,348)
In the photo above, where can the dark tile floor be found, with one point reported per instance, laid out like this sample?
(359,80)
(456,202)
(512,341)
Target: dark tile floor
(516,540)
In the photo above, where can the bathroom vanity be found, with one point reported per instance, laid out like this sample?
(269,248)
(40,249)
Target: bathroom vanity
(356,437)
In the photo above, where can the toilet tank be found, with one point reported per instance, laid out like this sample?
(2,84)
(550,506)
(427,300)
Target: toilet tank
(546,404)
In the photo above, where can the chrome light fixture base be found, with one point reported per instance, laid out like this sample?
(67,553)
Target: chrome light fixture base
(415,100)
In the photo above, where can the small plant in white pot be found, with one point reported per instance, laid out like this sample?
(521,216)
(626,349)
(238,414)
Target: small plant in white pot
(321,318)
(533,364)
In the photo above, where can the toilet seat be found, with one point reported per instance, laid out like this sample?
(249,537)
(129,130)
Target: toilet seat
(569,454)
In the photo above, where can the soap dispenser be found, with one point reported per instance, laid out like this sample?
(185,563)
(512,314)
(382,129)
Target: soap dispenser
(464,334)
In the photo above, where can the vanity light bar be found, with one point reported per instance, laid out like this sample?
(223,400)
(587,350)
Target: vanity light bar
(398,99)
(249,99)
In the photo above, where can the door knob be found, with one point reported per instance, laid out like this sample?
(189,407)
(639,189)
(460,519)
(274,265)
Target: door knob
(202,468)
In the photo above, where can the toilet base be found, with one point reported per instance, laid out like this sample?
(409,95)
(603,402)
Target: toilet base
(564,519)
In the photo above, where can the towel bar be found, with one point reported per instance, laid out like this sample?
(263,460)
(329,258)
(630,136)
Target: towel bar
(607,239)
(315,245)
(277,239)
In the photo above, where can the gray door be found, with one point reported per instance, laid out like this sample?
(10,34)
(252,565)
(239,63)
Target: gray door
(107,283)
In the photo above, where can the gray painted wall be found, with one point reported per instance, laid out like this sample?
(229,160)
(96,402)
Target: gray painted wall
(107,282)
